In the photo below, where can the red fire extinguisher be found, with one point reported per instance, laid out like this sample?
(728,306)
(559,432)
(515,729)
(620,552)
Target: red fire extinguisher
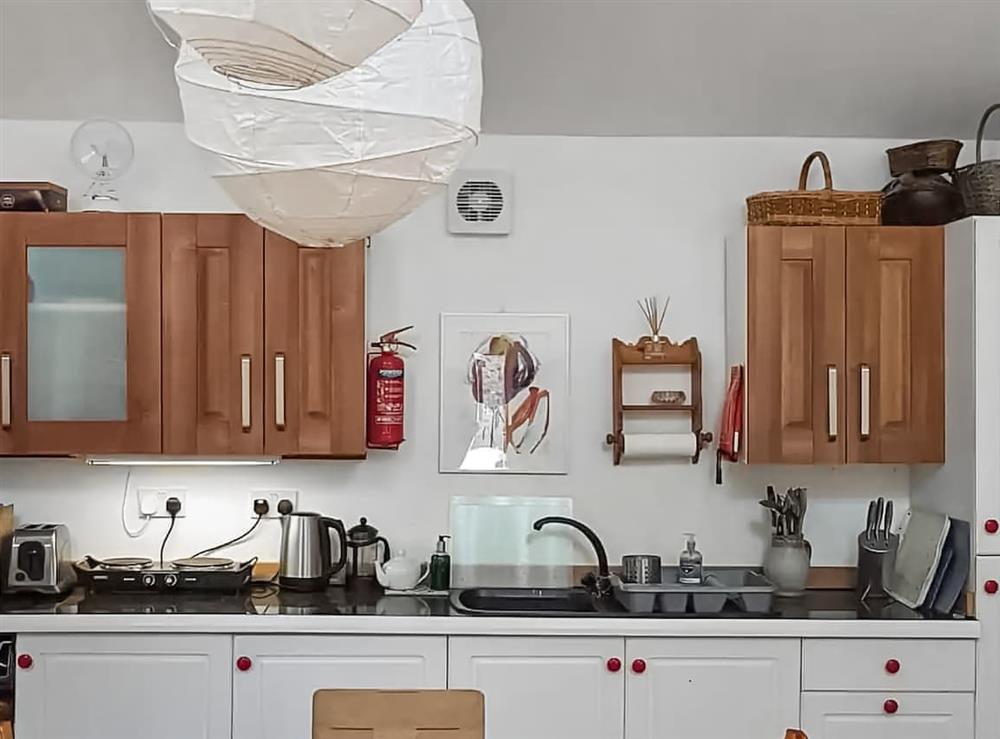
(385,391)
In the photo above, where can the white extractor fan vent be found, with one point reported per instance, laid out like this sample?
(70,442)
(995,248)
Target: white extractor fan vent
(480,201)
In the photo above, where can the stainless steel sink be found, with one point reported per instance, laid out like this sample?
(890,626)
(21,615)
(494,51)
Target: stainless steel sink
(523,601)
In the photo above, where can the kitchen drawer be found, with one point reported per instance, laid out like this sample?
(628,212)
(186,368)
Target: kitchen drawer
(888,715)
(867,664)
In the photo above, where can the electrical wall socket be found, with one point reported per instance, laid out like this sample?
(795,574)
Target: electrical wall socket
(153,501)
(272,497)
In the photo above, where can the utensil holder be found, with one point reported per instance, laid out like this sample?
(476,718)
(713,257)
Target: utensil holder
(787,565)
(641,569)
(875,567)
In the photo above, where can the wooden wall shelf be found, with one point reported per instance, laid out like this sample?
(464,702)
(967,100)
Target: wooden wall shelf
(655,352)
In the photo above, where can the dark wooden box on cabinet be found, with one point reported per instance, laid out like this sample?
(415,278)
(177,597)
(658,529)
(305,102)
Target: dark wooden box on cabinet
(46,197)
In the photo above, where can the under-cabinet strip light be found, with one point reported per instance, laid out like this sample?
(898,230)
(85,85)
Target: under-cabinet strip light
(168,461)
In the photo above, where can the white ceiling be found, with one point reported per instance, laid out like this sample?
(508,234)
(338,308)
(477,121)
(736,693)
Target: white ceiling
(879,68)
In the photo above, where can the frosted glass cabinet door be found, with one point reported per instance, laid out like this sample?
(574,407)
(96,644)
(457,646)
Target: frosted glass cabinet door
(76,333)
(79,333)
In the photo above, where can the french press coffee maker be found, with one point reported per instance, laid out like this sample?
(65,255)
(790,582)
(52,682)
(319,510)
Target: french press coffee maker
(364,543)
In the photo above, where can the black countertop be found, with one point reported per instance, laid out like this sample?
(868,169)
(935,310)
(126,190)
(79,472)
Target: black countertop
(371,601)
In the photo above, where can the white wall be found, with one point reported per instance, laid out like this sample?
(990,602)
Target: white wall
(599,222)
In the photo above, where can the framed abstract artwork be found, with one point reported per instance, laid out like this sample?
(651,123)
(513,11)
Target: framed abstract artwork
(504,393)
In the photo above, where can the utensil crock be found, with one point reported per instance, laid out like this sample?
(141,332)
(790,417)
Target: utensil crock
(787,564)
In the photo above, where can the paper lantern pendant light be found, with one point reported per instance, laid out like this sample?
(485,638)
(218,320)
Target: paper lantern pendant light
(328,120)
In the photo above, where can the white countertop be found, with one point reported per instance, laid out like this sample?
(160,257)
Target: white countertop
(485,625)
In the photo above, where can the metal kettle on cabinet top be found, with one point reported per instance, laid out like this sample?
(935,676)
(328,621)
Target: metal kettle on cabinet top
(307,550)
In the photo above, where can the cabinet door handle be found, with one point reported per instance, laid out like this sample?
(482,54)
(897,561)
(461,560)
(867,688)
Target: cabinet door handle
(245,391)
(866,402)
(5,391)
(279,390)
(831,402)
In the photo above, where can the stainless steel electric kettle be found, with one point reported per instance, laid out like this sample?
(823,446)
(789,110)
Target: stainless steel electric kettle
(307,553)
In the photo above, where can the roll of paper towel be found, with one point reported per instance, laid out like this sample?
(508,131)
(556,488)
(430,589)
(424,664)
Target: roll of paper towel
(659,446)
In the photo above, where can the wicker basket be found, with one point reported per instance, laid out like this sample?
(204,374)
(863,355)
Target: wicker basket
(980,182)
(939,155)
(826,207)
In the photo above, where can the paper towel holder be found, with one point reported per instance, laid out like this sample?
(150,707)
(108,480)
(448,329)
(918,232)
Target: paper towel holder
(655,351)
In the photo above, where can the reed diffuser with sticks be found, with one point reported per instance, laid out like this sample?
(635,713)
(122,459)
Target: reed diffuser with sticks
(651,311)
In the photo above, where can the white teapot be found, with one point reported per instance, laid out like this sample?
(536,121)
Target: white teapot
(399,573)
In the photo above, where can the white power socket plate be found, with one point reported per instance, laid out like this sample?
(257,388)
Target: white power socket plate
(155,499)
(273,496)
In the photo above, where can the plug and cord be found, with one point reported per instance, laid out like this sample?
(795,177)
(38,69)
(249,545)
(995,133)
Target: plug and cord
(146,516)
(173,508)
(261,507)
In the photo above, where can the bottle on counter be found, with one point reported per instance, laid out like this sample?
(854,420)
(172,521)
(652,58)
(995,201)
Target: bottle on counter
(690,564)
(440,568)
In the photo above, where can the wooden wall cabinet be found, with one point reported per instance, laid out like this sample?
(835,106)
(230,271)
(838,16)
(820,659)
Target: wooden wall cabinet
(314,349)
(213,335)
(841,330)
(895,344)
(79,333)
(264,342)
(179,334)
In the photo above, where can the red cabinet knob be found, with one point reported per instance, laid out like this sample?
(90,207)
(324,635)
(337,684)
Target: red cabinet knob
(638,666)
(992,526)
(243,664)
(892,666)
(24,661)
(890,706)
(614,664)
(991,586)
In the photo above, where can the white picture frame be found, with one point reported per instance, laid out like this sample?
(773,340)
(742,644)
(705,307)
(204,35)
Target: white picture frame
(515,425)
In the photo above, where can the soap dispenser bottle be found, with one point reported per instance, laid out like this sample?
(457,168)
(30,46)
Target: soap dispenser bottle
(690,565)
(440,568)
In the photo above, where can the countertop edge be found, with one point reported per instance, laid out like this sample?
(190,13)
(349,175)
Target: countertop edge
(237,624)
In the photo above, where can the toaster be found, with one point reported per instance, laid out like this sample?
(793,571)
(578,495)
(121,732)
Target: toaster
(40,559)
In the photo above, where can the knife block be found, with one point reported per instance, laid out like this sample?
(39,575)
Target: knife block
(875,567)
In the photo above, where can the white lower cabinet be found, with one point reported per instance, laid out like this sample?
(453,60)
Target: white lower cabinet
(711,688)
(273,687)
(543,688)
(123,686)
(867,715)
(607,688)
(988,659)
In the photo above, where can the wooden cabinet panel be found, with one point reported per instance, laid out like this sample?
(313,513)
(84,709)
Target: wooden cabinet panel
(274,697)
(213,333)
(314,349)
(540,688)
(795,345)
(895,345)
(863,716)
(120,686)
(709,688)
(81,304)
